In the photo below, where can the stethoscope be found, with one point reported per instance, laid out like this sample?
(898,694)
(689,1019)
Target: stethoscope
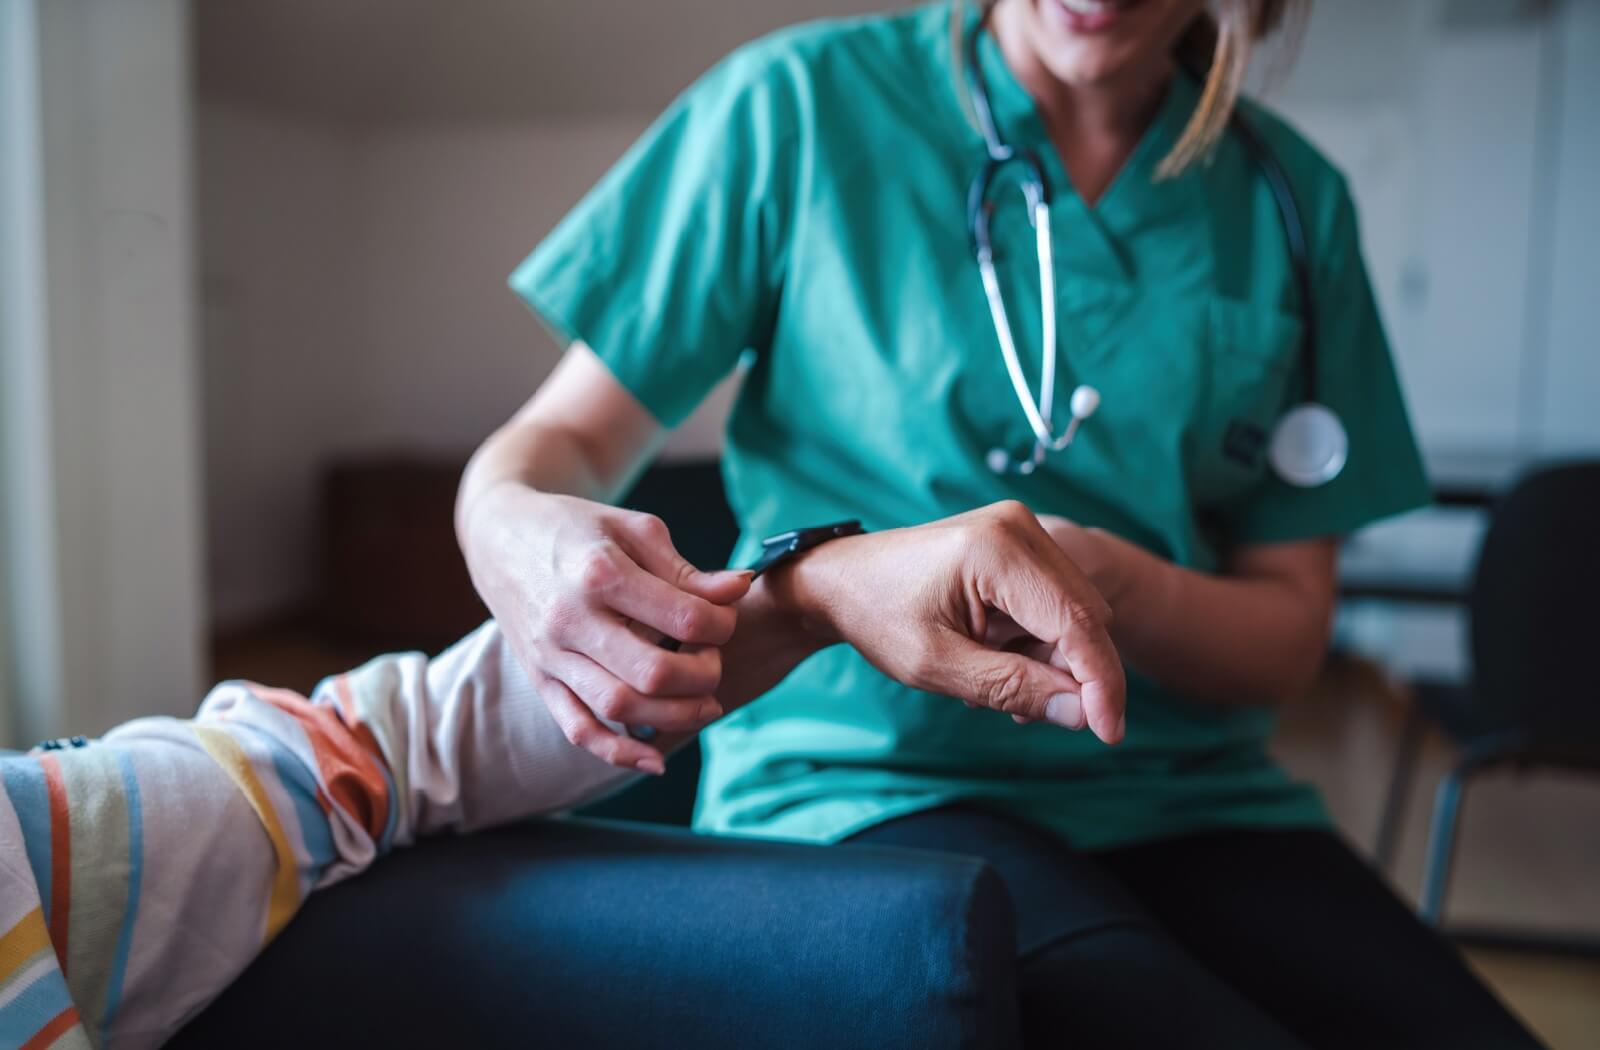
(1308,445)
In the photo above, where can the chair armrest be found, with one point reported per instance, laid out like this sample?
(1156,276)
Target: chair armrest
(591,933)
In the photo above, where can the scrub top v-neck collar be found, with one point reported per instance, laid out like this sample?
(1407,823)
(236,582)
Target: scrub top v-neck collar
(1089,240)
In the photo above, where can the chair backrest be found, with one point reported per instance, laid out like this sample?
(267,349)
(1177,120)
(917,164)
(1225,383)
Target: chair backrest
(1535,607)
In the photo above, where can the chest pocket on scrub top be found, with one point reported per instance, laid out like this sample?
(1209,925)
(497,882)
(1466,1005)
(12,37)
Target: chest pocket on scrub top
(1250,357)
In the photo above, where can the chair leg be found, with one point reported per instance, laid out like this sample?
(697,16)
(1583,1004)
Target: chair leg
(1394,803)
(1442,842)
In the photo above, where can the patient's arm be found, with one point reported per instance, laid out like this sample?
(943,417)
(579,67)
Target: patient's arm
(139,874)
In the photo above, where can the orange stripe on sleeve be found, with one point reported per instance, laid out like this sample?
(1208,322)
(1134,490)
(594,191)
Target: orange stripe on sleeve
(54,1028)
(60,856)
(347,757)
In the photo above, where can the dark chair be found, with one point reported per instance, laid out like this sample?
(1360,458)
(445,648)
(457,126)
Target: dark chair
(1533,699)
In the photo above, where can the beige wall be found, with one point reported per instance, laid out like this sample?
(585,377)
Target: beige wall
(354,302)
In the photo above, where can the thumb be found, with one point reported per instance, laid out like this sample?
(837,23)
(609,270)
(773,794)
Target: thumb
(649,544)
(723,587)
(1014,683)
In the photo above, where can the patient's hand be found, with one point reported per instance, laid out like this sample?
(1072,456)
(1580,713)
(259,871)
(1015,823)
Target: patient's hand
(929,606)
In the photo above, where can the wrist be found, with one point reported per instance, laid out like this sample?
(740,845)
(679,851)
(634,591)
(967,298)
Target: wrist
(479,507)
(805,590)
(1131,575)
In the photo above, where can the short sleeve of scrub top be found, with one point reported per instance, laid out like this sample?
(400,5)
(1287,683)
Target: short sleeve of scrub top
(671,267)
(1383,473)
(807,200)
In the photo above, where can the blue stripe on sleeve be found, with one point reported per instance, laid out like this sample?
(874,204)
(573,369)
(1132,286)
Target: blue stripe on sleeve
(301,786)
(119,966)
(33,1008)
(24,783)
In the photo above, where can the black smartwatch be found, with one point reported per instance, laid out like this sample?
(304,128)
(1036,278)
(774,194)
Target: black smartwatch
(774,550)
(785,545)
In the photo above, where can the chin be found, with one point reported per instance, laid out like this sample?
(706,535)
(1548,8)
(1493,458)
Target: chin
(1094,41)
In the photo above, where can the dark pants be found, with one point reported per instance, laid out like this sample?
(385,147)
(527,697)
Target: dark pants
(592,935)
(1226,939)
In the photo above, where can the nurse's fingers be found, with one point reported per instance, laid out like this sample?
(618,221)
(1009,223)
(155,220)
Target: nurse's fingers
(614,700)
(650,669)
(1043,591)
(649,543)
(582,729)
(690,619)
(1022,687)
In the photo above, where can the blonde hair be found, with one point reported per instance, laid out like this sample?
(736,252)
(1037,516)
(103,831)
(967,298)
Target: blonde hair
(1214,46)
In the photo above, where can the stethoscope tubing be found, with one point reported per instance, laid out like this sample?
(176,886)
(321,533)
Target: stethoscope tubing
(1036,191)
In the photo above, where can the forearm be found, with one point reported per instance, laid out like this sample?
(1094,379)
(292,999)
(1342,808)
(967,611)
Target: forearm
(534,455)
(1219,638)
(581,434)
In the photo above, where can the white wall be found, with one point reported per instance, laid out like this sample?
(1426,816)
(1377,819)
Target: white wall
(1570,278)
(1468,133)
(103,542)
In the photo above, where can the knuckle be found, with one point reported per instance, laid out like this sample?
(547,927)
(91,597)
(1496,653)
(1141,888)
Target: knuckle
(691,621)
(598,569)
(655,673)
(651,529)
(615,702)
(1001,523)
(1011,513)
(1088,616)
(556,620)
(1006,688)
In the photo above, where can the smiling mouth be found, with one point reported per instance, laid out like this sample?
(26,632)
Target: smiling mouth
(1092,7)
(1088,16)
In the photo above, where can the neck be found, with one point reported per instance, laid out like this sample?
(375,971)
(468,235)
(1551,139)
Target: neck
(1119,108)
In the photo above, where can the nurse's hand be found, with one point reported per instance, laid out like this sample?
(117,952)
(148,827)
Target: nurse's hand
(582,590)
(919,604)
(1110,562)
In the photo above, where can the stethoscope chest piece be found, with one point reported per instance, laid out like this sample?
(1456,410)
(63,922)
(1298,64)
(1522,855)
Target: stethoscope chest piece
(1309,445)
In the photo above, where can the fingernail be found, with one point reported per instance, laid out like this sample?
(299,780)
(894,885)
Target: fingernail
(1065,709)
(1122,725)
(651,765)
(710,711)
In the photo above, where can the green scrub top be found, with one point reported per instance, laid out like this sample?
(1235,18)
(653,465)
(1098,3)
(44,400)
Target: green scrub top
(803,208)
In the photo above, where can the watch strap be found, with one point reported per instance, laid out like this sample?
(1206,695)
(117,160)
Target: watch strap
(785,545)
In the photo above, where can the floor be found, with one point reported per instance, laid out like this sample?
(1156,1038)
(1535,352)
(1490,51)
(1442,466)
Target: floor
(1529,849)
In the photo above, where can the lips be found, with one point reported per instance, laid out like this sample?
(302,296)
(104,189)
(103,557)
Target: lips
(1086,16)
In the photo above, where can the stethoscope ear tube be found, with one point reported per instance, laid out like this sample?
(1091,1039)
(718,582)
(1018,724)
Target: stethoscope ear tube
(1309,444)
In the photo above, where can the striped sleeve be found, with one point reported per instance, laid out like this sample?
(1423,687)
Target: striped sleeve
(144,871)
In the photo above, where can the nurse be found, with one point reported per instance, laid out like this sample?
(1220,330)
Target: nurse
(801,212)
